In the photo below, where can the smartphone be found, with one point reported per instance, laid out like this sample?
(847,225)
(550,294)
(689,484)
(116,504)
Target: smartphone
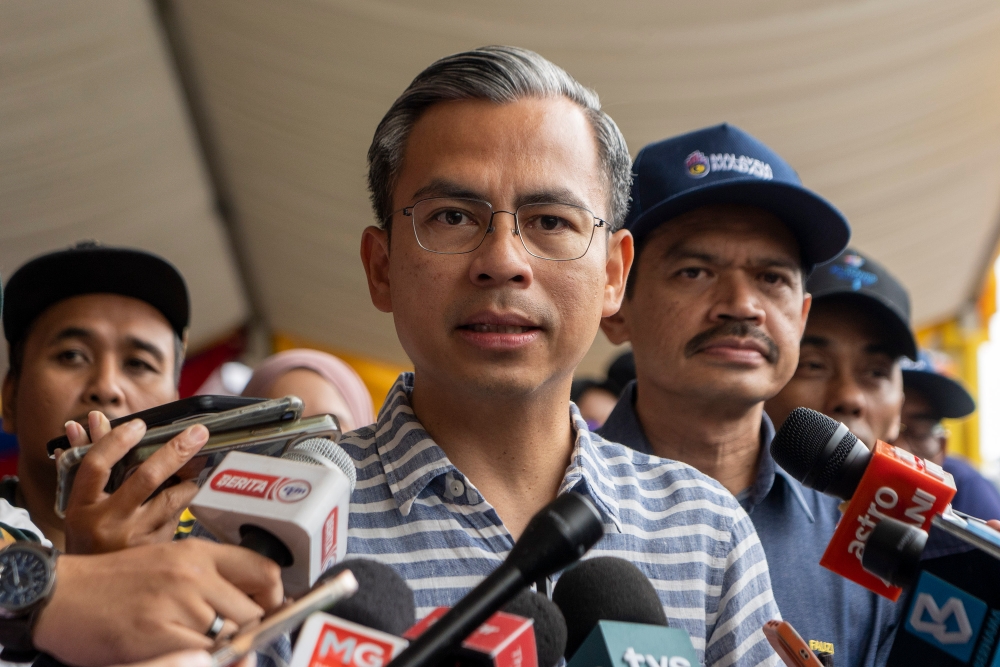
(286,619)
(185,409)
(789,645)
(969,529)
(271,439)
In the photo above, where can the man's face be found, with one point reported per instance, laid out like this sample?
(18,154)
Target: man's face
(497,320)
(848,371)
(93,352)
(717,307)
(921,433)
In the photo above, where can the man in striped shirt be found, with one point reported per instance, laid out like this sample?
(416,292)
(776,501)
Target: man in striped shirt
(502,187)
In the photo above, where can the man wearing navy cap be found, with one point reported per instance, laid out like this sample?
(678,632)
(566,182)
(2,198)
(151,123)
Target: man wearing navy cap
(858,331)
(94,333)
(715,306)
(930,397)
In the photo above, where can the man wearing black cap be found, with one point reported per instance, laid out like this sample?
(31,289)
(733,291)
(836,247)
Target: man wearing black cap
(858,331)
(94,333)
(930,397)
(715,307)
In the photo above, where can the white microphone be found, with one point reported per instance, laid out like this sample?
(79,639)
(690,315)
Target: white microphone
(291,509)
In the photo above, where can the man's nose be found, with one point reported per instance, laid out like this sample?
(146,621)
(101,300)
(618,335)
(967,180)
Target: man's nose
(737,300)
(845,398)
(501,258)
(105,385)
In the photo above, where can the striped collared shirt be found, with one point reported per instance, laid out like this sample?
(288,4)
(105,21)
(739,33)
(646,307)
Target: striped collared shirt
(415,511)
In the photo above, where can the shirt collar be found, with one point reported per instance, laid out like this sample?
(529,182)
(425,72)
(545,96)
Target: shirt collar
(412,460)
(623,426)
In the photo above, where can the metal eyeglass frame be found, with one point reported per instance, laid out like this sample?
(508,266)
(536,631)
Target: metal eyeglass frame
(408,212)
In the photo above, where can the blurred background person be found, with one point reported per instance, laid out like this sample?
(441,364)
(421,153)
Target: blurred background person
(325,384)
(849,358)
(597,398)
(930,397)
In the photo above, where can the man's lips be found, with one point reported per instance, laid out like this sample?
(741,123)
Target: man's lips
(747,344)
(502,330)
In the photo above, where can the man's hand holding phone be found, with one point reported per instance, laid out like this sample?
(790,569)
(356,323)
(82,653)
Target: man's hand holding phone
(99,522)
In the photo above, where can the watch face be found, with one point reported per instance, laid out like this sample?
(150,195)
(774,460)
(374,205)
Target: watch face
(24,576)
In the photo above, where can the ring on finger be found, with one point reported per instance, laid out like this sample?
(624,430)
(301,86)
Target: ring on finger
(216,627)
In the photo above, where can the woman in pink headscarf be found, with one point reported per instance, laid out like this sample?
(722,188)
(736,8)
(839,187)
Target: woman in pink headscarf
(324,383)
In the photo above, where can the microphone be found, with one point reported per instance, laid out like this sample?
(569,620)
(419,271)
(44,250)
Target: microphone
(885,482)
(952,616)
(529,631)
(614,616)
(549,625)
(361,631)
(292,510)
(558,535)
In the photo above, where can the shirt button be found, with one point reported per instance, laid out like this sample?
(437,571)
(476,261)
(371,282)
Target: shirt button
(456,487)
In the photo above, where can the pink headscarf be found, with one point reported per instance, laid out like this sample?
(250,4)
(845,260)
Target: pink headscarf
(329,367)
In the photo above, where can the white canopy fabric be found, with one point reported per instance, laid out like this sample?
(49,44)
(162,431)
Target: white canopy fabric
(891,109)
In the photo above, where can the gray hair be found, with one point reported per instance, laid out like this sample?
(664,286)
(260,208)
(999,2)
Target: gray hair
(499,74)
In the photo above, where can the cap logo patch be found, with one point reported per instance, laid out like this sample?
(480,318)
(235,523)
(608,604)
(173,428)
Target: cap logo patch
(851,271)
(741,164)
(696,164)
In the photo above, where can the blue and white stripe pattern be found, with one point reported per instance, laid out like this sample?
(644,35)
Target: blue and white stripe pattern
(414,510)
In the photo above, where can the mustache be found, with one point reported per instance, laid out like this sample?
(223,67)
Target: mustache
(733,329)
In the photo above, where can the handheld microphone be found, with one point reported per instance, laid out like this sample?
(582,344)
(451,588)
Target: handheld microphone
(530,631)
(886,482)
(292,510)
(555,537)
(952,616)
(614,618)
(361,631)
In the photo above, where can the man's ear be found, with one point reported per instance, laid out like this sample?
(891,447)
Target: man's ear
(621,252)
(9,397)
(375,257)
(807,301)
(615,327)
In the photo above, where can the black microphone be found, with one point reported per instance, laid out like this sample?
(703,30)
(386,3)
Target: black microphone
(605,589)
(614,616)
(555,537)
(383,602)
(885,482)
(360,632)
(549,626)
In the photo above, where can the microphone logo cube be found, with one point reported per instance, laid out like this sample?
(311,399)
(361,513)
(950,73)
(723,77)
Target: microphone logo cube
(328,641)
(617,644)
(895,484)
(945,617)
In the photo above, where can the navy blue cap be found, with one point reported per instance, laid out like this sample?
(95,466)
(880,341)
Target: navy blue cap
(947,397)
(852,273)
(725,165)
(91,268)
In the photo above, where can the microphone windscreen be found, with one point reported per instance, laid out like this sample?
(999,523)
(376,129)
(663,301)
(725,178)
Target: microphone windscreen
(605,589)
(383,601)
(799,442)
(549,627)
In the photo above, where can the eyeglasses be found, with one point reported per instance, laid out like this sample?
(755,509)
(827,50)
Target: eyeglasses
(922,430)
(452,226)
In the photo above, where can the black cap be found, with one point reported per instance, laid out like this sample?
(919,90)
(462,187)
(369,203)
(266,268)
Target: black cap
(90,268)
(947,397)
(725,165)
(855,275)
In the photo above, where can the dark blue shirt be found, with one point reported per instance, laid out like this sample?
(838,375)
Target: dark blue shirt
(976,495)
(795,524)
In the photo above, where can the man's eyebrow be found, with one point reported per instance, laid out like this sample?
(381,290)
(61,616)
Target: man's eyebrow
(814,340)
(781,262)
(146,346)
(444,188)
(72,332)
(679,251)
(889,350)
